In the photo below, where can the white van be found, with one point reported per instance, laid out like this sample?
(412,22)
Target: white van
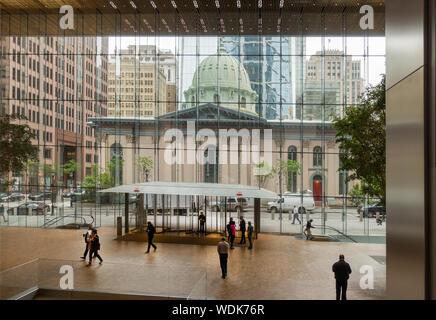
(289,200)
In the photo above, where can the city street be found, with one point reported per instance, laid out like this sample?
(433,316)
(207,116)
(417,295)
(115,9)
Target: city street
(105,216)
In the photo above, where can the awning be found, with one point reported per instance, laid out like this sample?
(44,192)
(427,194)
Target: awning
(194,189)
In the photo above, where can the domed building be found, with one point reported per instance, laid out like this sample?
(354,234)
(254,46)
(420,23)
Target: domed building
(222,80)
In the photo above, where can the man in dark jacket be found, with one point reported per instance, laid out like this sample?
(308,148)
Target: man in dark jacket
(94,246)
(342,272)
(242,229)
(150,232)
(250,235)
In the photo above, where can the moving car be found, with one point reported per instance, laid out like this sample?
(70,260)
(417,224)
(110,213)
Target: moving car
(238,204)
(372,210)
(14,197)
(46,195)
(289,200)
(32,208)
(78,195)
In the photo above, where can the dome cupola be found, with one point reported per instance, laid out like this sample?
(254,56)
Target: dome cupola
(223,80)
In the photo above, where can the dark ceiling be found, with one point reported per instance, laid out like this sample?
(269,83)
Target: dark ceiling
(191,17)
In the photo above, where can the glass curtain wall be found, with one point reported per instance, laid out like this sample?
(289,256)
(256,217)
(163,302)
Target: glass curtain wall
(112,110)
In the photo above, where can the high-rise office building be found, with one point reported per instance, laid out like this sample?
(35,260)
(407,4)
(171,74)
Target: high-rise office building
(332,81)
(273,69)
(141,82)
(57,83)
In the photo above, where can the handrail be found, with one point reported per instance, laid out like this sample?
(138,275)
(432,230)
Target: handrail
(334,229)
(56,219)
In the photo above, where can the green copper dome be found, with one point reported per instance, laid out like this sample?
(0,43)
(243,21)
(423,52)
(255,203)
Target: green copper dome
(227,74)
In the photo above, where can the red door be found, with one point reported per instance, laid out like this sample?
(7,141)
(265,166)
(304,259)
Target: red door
(317,188)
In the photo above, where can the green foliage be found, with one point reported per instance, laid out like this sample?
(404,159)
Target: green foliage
(71,166)
(16,147)
(98,179)
(263,172)
(361,136)
(145,163)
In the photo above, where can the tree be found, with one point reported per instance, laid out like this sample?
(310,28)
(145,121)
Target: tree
(288,167)
(263,173)
(145,163)
(98,179)
(71,167)
(16,146)
(361,135)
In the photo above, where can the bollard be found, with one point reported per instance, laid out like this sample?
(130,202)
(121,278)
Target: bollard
(119,227)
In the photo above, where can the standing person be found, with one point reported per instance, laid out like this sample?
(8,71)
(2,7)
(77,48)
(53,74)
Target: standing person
(232,234)
(242,229)
(223,251)
(296,215)
(151,230)
(229,229)
(2,212)
(307,230)
(342,272)
(86,236)
(250,235)
(94,246)
(202,220)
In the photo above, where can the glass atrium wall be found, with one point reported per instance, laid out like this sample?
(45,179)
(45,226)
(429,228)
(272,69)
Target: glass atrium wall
(105,109)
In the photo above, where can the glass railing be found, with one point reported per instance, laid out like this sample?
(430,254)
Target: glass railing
(144,281)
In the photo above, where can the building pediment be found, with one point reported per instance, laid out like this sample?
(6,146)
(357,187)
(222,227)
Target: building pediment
(211,112)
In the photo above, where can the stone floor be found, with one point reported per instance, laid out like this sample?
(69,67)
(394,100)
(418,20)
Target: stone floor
(279,267)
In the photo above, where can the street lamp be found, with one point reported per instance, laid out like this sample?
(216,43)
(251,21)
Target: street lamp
(53,193)
(147,172)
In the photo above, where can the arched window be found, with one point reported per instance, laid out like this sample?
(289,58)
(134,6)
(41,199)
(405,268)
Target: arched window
(292,176)
(243,102)
(117,163)
(317,156)
(193,100)
(210,165)
(343,176)
(216,98)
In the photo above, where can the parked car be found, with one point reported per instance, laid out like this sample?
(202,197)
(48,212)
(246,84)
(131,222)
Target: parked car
(2,196)
(78,195)
(32,208)
(238,204)
(14,197)
(372,210)
(46,195)
(289,200)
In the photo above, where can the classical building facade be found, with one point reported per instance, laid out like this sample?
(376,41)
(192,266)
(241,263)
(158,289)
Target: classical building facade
(217,102)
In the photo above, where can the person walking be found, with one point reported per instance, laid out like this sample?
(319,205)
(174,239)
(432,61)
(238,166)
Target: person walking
(242,229)
(233,234)
(86,236)
(223,252)
(229,229)
(342,272)
(296,214)
(94,246)
(2,212)
(308,231)
(250,235)
(151,230)
(202,220)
